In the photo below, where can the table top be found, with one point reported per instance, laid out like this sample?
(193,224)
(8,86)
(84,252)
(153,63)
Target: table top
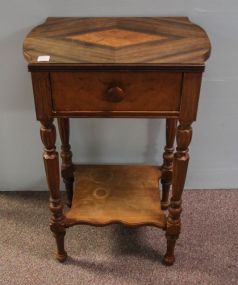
(149,41)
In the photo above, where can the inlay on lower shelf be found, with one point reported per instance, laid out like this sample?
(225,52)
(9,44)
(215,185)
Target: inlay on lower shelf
(116,194)
(115,67)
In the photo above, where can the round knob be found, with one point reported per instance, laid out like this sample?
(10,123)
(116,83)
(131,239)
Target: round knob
(115,94)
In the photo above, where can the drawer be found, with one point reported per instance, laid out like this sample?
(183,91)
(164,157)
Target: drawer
(115,91)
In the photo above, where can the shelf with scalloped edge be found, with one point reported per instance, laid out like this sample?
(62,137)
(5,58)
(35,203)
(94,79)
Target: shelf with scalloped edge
(116,194)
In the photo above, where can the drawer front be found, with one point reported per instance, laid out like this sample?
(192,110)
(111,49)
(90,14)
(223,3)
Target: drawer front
(115,91)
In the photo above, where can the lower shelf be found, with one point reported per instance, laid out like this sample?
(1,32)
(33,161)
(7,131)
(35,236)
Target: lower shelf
(116,194)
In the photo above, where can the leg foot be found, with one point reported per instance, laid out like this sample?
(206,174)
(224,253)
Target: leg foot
(168,260)
(61,257)
(61,254)
(169,257)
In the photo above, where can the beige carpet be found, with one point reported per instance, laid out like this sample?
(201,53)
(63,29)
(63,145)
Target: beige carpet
(207,251)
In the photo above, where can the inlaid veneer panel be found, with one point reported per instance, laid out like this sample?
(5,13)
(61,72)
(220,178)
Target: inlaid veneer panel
(141,40)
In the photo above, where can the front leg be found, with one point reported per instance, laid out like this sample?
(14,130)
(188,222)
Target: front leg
(51,162)
(66,155)
(180,165)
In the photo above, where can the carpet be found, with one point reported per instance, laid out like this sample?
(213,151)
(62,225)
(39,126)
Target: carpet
(206,253)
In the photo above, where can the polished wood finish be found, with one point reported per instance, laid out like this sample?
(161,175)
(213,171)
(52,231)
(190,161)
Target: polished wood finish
(181,158)
(51,161)
(115,93)
(158,40)
(116,194)
(67,167)
(42,95)
(143,92)
(167,167)
(117,67)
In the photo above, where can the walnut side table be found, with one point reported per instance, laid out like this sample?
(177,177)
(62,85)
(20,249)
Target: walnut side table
(117,67)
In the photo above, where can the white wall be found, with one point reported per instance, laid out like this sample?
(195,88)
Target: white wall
(214,159)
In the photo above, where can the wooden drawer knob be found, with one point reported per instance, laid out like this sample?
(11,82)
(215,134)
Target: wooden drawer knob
(115,94)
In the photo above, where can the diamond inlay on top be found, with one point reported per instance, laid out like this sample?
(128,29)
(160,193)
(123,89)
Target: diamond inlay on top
(157,41)
(117,37)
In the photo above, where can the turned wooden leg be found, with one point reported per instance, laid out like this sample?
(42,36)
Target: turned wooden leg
(51,162)
(180,164)
(66,155)
(167,167)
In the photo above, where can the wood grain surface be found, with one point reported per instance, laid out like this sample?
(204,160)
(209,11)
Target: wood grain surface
(117,67)
(140,91)
(87,41)
(116,194)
